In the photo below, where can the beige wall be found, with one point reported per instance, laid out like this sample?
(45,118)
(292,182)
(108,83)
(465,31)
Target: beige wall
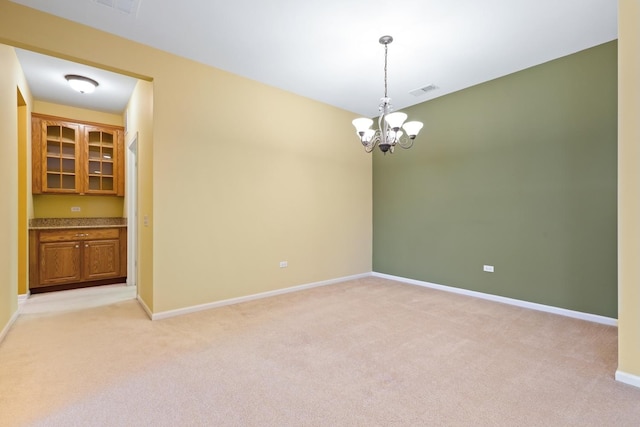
(629,188)
(11,80)
(244,184)
(140,126)
(243,175)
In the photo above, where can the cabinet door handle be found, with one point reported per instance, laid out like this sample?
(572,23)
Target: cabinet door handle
(77,246)
(80,235)
(86,246)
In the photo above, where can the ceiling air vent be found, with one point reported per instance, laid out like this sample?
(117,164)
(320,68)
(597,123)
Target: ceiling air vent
(129,7)
(423,90)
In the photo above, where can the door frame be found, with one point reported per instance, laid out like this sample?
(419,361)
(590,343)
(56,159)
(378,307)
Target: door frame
(132,210)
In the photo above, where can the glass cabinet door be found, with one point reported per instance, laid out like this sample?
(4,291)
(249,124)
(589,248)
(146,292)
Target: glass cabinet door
(60,157)
(101,154)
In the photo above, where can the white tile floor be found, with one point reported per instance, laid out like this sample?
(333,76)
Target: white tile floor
(77,299)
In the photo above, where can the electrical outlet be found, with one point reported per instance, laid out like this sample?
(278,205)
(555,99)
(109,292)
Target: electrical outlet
(487,268)
(75,208)
(284,264)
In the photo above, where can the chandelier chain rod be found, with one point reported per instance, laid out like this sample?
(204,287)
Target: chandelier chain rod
(386,46)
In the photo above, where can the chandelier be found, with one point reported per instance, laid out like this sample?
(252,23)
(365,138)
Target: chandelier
(390,124)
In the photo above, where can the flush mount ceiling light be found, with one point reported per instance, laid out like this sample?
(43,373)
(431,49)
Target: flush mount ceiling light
(81,84)
(389,133)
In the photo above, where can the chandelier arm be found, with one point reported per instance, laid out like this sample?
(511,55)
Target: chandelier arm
(405,142)
(369,146)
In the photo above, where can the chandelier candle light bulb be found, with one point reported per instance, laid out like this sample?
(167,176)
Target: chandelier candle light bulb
(388,134)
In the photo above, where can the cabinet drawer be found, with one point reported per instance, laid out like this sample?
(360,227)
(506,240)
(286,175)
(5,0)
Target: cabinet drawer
(79,234)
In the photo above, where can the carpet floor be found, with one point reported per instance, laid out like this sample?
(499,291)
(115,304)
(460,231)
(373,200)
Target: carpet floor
(368,352)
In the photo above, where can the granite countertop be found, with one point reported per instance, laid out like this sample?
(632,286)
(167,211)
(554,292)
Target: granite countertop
(52,223)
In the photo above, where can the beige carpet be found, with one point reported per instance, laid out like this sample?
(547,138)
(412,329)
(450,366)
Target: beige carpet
(369,352)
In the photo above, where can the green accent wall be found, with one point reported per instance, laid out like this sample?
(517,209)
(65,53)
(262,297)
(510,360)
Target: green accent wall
(518,173)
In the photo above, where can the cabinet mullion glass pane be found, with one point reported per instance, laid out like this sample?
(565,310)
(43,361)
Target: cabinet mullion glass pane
(107,169)
(107,183)
(94,183)
(53,164)
(53,180)
(68,135)
(68,181)
(53,148)
(94,152)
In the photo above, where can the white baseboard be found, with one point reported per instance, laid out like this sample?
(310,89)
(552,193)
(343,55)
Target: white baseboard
(8,326)
(145,307)
(23,297)
(626,378)
(195,308)
(511,301)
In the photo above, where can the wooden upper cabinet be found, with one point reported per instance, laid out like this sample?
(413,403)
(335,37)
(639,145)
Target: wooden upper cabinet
(72,157)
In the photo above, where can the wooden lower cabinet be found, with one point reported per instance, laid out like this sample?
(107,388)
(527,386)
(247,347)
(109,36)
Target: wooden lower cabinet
(101,259)
(59,263)
(77,256)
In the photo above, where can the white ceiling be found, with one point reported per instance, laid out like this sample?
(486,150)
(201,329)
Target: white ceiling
(45,76)
(328,50)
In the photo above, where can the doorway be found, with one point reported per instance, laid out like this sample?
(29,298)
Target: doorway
(105,106)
